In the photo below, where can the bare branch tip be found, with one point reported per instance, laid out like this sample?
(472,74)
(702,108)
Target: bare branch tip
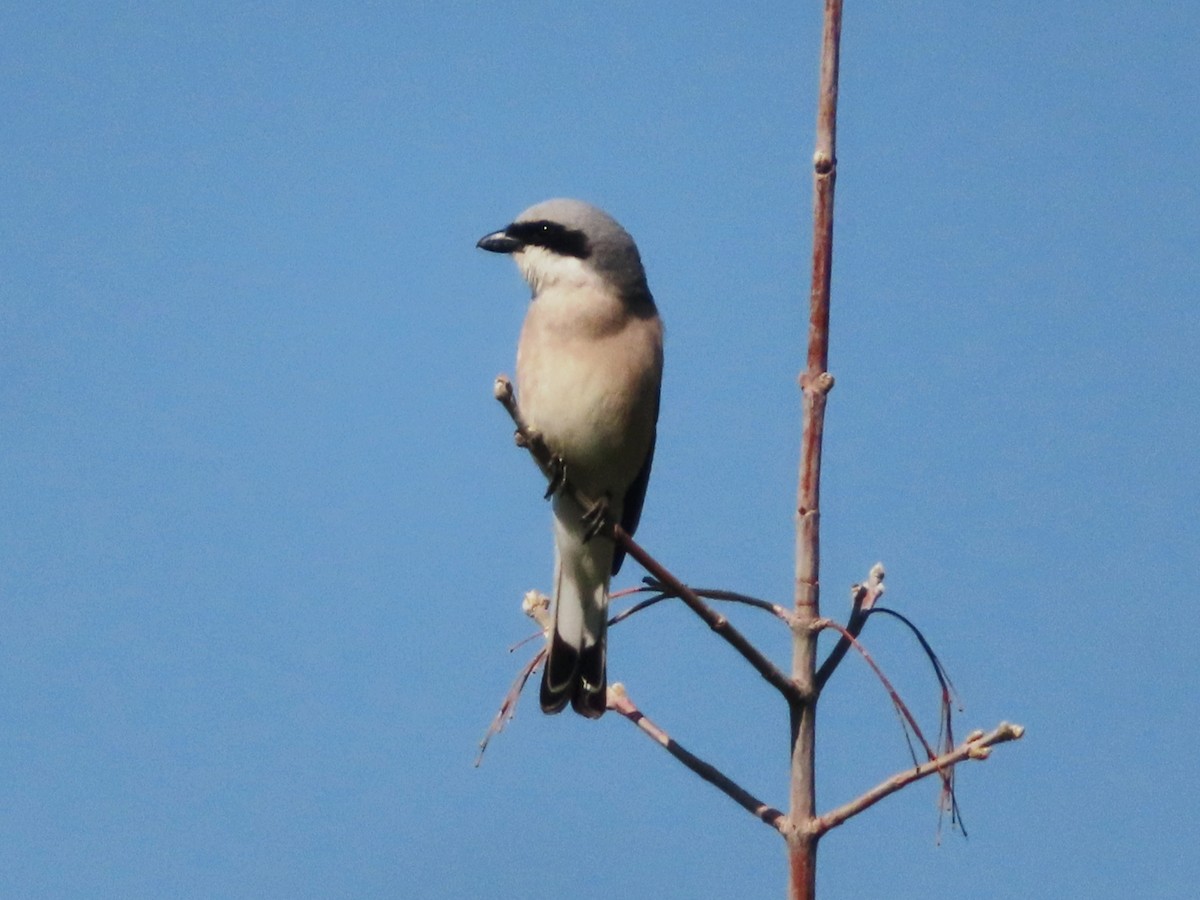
(873,586)
(502,389)
(536,605)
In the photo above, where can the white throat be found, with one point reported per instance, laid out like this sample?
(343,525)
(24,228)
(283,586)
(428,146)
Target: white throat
(544,269)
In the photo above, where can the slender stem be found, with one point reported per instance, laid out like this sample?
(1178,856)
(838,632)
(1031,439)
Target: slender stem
(717,622)
(815,382)
(619,701)
(975,747)
(774,609)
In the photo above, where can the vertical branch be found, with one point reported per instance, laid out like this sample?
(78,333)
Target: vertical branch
(815,384)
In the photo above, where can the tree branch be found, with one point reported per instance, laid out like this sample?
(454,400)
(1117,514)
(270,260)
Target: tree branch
(906,716)
(976,746)
(717,622)
(532,441)
(864,598)
(619,701)
(815,384)
(508,708)
(733,597)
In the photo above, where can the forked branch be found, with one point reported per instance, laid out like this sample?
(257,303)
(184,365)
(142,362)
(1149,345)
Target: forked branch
(863,599)
(976,746)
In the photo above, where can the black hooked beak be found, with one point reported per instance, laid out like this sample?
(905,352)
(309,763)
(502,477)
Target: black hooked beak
(499,242)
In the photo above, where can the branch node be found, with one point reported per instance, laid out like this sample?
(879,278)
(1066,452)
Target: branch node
(820,384)
(823,162)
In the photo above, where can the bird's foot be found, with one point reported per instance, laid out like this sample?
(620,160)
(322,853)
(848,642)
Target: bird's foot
(595,518)
(558,476)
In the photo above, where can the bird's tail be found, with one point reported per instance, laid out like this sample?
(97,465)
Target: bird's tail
(575,665)
(575,676)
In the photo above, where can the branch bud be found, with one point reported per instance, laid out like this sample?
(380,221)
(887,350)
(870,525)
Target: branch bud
(536,605)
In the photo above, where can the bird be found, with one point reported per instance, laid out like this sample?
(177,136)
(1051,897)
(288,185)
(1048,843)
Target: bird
(589,378)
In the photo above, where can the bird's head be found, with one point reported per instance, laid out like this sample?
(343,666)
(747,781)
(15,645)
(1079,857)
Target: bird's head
(572,243)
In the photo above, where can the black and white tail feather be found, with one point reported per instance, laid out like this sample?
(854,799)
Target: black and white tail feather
(576,664)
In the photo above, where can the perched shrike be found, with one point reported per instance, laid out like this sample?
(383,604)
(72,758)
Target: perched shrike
(589,368)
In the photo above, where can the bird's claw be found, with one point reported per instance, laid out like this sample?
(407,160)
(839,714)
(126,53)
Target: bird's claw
(595,518)
(558,476)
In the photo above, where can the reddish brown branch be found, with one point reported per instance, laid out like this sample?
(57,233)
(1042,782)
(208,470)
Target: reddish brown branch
(864,597)
(976,746)
(537,448)
(717,622)
(733,597)
(508,708)
(815,383)
(664,594)
(619,701)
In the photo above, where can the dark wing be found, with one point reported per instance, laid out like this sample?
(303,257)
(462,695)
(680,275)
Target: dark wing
(634,498)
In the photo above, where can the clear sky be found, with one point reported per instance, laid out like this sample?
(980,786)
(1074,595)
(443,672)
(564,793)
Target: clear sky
(264,536)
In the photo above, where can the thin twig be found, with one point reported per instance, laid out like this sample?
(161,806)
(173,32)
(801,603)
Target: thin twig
(946,724)
(901,707)
(530,440)
(619,701)
(864,598)
(542,615)
(975,747)
(508,708)
(939,669)
(636,608)
(717,622)
(733,597)
(535,606)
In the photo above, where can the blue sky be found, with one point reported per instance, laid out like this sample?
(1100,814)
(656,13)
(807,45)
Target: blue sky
(263,535)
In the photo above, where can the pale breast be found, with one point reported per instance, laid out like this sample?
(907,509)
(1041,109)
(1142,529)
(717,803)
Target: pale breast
(589,383)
